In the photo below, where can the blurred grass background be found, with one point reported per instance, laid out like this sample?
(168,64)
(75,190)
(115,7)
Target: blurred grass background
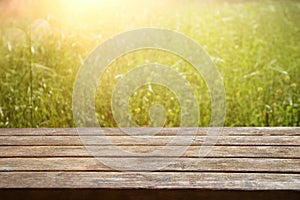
(254,44)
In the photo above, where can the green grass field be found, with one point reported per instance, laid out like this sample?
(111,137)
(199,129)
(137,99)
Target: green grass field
(254,44)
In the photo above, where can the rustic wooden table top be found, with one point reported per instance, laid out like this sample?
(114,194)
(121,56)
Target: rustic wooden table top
(242,159)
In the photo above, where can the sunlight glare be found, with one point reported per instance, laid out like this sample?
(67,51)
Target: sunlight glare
(79,5)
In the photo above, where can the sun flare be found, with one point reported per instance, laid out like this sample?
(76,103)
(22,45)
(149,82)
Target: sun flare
(81,5)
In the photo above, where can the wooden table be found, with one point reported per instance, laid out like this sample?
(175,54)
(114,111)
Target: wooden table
(246,163)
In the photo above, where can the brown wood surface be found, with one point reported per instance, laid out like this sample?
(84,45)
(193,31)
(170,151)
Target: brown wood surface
(182,164)
(171,180)
(248,159)
(192,151)
(146,140)
(253,131)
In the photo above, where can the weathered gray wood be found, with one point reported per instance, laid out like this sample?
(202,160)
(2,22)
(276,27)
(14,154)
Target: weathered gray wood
(242,159)
(252,131)
(192,151)
(204,180)
(147,140)
(181,165)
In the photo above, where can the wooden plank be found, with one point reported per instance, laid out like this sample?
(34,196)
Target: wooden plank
(181,165)
(243,159)
(192,151)
(157,180)
(237,131)
(147,140)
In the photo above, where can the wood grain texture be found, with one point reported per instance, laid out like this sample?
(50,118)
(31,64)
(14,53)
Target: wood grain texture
(146,140)
(166,180)
(253,131)
(192,151)
(246,159)
(182,164)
